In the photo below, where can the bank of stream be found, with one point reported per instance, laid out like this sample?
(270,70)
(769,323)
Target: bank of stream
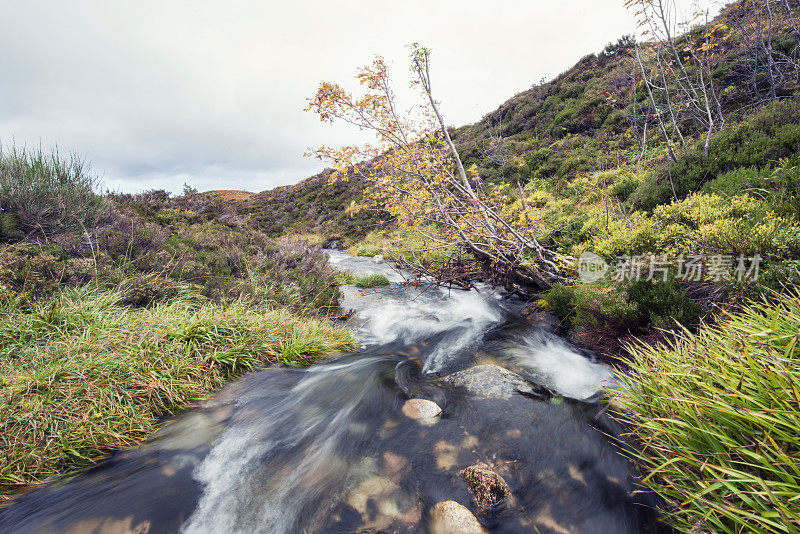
(335,447)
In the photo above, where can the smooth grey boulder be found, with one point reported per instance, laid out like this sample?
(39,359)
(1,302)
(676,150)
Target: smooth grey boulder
(490,381)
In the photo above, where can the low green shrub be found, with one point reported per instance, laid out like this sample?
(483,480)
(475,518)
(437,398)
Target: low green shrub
(631,305)
(597,304)
(625,187)
(561,300)
(742,180)
(714,420)
(662,303)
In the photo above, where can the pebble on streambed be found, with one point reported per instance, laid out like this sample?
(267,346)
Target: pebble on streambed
(487,486)
(425,412)
(449,517)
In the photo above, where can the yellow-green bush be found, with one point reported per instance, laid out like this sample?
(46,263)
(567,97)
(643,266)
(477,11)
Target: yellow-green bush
(702,224)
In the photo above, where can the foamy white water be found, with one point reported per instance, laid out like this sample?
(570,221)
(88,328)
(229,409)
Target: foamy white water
(553,363)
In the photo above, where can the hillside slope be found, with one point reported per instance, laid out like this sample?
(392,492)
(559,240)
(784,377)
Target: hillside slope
(585,164)
(314,205)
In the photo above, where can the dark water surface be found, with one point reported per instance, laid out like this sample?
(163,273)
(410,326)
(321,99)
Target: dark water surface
(327,448)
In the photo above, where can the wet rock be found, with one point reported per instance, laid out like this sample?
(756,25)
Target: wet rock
(377,258)
(379,491)
(546,321)
(446,455)
(492,381)
(449,517)
(424,411)
(487,486)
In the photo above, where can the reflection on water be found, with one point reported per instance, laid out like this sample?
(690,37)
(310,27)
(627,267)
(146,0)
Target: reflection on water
(328,448)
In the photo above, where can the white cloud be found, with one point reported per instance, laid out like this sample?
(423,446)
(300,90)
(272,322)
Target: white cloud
(155,93)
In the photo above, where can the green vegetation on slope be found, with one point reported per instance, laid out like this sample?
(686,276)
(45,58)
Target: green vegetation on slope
(716,418)
(316,205)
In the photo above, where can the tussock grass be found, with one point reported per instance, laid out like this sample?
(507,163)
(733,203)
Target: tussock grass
(81,375)
(46,193)
(371,280)
(716,416)
(345,278)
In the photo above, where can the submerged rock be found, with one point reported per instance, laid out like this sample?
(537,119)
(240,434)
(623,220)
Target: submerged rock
(486,485)
(449,517)
(544,320)
(394,466)
(377,500)
(424,411)
(489,381)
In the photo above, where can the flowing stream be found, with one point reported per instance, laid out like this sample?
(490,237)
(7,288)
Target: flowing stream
(328,449)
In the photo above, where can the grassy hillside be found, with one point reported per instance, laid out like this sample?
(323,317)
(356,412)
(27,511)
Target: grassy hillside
(315,205)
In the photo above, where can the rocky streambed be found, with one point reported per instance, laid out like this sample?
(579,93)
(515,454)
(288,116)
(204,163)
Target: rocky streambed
(457,416)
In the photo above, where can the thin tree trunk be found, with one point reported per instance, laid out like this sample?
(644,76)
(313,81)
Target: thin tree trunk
(655,108)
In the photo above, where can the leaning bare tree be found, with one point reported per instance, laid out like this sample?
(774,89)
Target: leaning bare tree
(418,175)
(677,73)
(760,24)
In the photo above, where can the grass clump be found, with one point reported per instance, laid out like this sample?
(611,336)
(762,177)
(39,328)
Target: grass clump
(715,418)
(374,243)
(346,278)
(371,280)
(83,375)
(44,193)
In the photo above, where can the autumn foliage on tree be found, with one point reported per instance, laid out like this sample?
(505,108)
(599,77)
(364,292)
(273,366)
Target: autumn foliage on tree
(418,176)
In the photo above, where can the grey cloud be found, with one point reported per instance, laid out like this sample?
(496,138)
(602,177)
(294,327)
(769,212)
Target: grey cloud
(156,93)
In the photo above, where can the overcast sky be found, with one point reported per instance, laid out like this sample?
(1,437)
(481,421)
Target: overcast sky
(158,93)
